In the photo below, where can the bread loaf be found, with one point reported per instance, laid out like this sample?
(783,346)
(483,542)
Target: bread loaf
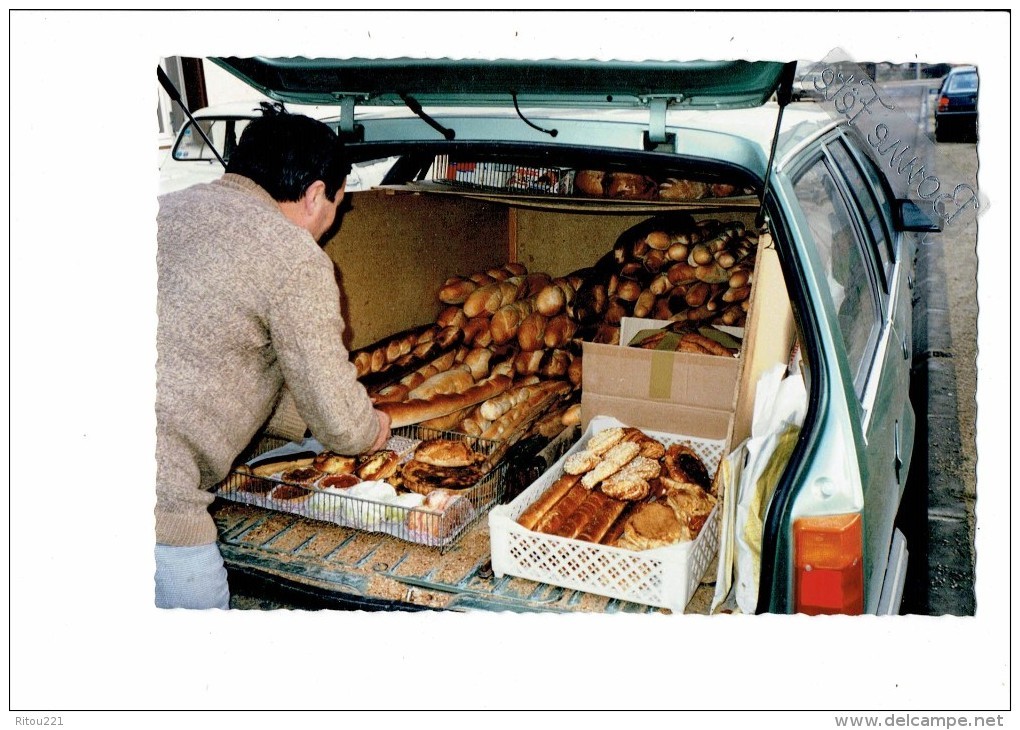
(477,361)
(644,304)
(559,330)
(536,511)
(454,380)
(555,364)
(416,411)
(539,399)
(551,300)
(590,182)
(449,422)
(507,321)
(391,394)
(558,514)
(609,510)
(529,362)
(456,290)
(484,299)
(531,333)
(631,186)
(574,371)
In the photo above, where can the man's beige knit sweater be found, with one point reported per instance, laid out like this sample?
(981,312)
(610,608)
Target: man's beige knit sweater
(247,301)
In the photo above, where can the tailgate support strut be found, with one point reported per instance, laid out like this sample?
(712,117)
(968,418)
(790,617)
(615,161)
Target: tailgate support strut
(784,92)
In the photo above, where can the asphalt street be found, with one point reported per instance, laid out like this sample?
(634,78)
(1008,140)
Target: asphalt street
(938,515)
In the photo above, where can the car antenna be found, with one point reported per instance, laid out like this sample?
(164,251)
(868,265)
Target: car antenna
(784,93)
(175,95)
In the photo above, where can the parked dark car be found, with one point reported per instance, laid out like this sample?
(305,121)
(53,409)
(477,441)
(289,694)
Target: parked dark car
(956,110)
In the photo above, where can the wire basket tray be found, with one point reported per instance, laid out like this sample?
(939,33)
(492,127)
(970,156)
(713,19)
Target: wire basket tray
(393,514)
(506,177)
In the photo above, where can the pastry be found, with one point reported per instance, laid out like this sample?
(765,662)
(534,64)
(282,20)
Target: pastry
(301,475)
(581,462)
(330,463)
(652,525)
(612,461)
(425,478)
(446,452)
(377,466)
(684,465)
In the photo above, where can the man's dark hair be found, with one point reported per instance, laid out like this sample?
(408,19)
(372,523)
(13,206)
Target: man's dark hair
(285,153)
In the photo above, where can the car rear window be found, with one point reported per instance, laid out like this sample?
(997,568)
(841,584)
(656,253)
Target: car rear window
(963,82)
(845,266)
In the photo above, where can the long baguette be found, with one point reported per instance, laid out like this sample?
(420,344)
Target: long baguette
(454,380)
(416,411)
(534,513)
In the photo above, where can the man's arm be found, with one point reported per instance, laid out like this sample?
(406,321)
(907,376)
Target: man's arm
(307,328)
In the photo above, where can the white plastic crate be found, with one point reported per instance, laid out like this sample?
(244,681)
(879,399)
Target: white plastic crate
(664,577)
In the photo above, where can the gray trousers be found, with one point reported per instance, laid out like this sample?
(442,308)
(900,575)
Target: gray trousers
(191,577)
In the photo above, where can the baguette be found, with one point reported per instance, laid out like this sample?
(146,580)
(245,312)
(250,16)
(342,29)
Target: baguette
(541,395)
(450,421)
(493,408)
(416,411)
(449,381)
(537,510)
(456,290)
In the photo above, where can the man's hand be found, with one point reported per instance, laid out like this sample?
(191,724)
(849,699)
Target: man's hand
(384,431)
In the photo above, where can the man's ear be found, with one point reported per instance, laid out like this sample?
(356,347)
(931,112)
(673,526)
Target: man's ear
(312,194)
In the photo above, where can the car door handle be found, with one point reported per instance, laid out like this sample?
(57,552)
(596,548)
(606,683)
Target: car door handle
(897,457)
(906,350)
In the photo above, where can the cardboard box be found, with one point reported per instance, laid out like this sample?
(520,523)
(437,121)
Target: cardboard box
(674,392)
(707,396)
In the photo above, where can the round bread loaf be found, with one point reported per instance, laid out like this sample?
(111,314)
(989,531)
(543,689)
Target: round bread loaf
(590,182)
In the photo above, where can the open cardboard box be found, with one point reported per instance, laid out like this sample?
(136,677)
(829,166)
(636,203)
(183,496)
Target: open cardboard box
(706,396)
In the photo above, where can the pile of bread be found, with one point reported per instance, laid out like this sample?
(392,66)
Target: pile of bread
(504,355)
(673,268)
(635,186)
(626,489)
(500,358)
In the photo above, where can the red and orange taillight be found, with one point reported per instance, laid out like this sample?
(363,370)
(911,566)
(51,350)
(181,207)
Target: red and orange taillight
(829,564)
(943,103)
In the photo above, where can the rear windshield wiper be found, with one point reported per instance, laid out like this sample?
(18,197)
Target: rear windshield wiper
(414,106)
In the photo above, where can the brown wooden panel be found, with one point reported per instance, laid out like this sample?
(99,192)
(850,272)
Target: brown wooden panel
(395,250)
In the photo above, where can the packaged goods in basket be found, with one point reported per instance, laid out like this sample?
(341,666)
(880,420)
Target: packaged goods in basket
(626,513)
(423,486)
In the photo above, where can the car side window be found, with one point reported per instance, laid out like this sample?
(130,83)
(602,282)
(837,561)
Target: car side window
(863,194)
(224,134)
(842,253)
